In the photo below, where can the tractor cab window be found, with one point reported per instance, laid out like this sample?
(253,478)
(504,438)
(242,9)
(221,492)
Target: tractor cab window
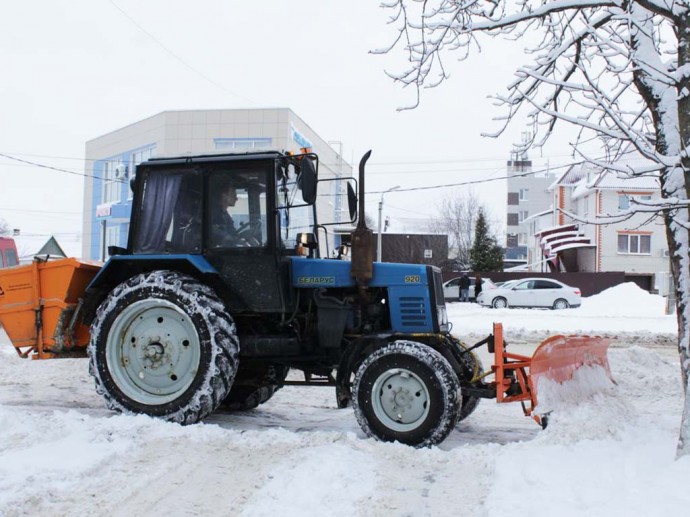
(292,219)
(169,220)
(237,209)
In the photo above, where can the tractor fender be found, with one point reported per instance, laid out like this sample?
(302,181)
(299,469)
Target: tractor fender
(121,267)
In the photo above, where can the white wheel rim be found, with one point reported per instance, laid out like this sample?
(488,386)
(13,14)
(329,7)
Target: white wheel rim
(153,351)
(400,399)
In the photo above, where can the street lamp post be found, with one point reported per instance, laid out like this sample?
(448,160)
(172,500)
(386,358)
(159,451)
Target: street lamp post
(378,244)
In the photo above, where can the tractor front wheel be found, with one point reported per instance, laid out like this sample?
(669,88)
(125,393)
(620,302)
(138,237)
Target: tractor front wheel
(407,392)
(162,344)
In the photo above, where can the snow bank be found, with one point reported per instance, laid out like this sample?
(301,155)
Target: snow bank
(626,300)
(622,309)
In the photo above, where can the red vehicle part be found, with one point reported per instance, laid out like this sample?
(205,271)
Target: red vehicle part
(556,359)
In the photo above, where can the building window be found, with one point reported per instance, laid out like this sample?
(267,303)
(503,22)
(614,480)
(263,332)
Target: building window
(111,185)
(624,200)
(512,219)
(524,194)
(242,144)
(112,236)
(136,158)
(513,198)
(522,239)
(522,215)
(634,244)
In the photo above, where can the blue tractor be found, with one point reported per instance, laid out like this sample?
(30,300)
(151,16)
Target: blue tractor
(221,291)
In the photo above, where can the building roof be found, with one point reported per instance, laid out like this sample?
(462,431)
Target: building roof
(583,178)
(28,246)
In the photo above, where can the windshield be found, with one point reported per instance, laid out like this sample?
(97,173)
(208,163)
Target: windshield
(292,219)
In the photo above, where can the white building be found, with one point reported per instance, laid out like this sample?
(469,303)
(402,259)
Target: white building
(111,160)
(528,194)
(584,231)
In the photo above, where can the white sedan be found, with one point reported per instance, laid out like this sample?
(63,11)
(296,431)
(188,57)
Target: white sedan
(532,292)
(451,288)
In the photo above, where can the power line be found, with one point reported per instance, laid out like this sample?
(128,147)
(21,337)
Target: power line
(59,169)
(178,58)
(42,166)
(473,182)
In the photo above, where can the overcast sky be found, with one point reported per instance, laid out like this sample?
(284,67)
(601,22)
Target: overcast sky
(76,69)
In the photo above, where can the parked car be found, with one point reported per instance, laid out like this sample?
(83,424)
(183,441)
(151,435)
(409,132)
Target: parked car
(532,292)
(8,252)
(451,288)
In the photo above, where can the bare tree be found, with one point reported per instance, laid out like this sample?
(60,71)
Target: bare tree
(4,228)
(457,219)
(618,70)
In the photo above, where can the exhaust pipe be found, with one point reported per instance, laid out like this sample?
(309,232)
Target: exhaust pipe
(362,239)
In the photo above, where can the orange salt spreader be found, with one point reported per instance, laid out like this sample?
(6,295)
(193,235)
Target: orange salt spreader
(39,307)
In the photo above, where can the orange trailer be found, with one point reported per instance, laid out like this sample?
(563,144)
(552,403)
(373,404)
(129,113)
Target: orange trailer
(39,306)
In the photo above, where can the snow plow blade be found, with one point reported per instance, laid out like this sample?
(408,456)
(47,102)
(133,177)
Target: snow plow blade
(39,307)
(555,363)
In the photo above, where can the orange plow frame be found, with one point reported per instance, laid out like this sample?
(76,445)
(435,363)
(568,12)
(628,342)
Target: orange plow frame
(39,307)
(557,359)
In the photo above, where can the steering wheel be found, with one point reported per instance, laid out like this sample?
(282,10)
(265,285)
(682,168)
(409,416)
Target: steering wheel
(250,233)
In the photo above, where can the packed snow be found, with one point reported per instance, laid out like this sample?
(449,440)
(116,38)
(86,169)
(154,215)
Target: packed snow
(613,453)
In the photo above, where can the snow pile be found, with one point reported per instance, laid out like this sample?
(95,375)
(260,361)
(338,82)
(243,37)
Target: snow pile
(623,310)
(626,300)
(586,381)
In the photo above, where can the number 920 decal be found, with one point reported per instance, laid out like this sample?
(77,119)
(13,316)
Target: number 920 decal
(412,279)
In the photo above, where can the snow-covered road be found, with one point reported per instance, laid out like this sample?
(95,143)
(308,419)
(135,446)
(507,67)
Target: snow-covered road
(63,453)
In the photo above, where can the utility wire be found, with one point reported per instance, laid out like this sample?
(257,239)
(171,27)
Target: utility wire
(178,58)
(472,182)
(59,169)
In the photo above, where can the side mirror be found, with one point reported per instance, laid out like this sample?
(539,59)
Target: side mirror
(352,202)
(308,181)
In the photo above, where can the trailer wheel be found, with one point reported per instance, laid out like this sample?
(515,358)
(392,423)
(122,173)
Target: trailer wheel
(406,391)
(163,345)
(255,386)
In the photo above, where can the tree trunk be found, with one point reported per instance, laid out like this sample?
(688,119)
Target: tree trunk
(680,263)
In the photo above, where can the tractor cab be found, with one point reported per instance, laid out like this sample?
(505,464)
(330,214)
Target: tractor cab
(237,218)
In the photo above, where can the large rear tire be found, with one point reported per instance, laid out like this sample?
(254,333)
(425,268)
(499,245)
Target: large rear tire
(255,385)
(163,345)
(407,392)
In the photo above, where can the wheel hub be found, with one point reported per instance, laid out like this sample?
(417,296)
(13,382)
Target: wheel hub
(153,351)
(401,399)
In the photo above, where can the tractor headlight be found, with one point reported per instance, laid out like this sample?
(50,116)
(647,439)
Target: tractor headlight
(442,315)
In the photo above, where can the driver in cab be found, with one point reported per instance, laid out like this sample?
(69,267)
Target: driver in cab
(223,230)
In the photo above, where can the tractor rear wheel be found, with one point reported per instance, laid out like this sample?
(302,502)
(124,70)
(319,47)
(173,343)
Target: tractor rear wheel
(255,385)
(162,344)
(406,391)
